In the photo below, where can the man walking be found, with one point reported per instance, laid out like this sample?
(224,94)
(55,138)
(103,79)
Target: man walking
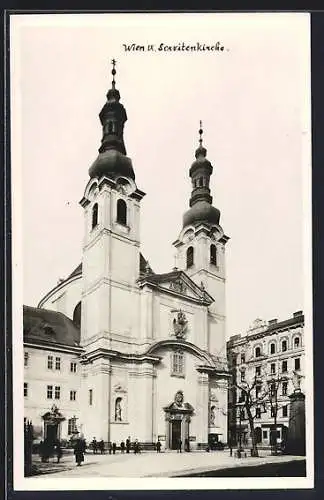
(179,445)
(114,446)
(158,446)
(122,447)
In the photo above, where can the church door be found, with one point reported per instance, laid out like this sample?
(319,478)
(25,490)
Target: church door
(51,433)
(175,434)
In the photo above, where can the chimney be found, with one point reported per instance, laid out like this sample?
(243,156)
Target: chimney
(272,321)
(297,313)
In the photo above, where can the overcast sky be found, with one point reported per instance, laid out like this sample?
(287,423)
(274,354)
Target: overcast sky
(252,98)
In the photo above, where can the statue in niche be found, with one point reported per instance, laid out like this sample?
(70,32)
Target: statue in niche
(212,416)
(118,410)
(296,380)
(180,325)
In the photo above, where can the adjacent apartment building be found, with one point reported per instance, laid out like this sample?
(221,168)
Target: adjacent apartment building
(267,360)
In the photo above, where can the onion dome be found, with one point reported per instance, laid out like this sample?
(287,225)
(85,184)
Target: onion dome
(201,210)
(112,160)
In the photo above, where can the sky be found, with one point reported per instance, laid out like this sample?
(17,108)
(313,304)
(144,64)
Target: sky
(253,100)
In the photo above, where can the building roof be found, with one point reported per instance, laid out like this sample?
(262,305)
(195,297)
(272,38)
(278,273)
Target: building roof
(78,269)
(45,326)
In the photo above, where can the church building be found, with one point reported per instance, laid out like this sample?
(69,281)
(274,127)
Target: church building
(120,350)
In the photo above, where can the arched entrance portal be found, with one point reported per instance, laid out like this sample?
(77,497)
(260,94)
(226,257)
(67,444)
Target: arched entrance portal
(178,416)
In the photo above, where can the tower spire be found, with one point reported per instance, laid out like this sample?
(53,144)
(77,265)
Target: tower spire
(112,160)
(201,200)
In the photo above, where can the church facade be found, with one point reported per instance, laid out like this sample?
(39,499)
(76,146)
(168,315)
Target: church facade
(144,354)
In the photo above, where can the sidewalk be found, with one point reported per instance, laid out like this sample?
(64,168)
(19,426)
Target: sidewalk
(152,464)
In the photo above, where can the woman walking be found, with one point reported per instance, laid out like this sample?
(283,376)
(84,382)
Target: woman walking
(79,451)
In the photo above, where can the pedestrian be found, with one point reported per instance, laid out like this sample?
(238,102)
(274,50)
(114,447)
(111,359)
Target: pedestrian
(58,451)
(122,447)
(231,448)
(187,445)
(109,447)
(179,446)
(79,451)
(101,446)
(136,447)
(128,444)
(158,446)
(94,445)
(114,446)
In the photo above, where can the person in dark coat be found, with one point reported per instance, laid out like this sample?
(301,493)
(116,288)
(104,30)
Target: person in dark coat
(122,447)
(79,451)
(94,445)
(128,444)
(179,446)
(187,444)
(58,452)
(101,446)
(109,447)
(158,446)
(136,447)
(114,446)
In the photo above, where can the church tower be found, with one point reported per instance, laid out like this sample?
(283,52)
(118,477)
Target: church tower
(201,246)
(111,247)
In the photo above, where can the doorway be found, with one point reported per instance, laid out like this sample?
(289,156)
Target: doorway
(51,433)
(175,434)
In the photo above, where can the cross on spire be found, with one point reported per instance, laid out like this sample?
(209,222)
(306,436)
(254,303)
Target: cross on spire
(113,72)
(200,133)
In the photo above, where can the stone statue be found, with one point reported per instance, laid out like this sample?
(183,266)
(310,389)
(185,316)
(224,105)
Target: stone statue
(118,410)
(212,416)
(296,380)
(180,324)
(178,398)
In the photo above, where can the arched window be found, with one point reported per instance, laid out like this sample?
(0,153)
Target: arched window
(118,410)
(296,342)
(77,315)
(213,254)
(257,352)
(272,348)
(190,257)
(201,181)
(94,215)
(122,212)
(284,345)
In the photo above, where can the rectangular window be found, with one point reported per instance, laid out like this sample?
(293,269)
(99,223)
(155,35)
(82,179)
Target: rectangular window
(90,397)
(50,362)
(72,395)
(284,366)
(257,390)
(265,434)
(272,389)
(284,388)
(26,357)
(72,428)
(242,397)
(273,368)
(73,367)
(177,363)
(242,375)
(285,411)
(49,392)
(242,358)
(297,363)
(57,392)
(258,371)
(272,348)
(284,346)
(258,413)
(25,390)
(57,363)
